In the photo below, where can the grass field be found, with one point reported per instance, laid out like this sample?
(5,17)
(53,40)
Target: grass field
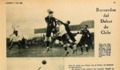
(38,51)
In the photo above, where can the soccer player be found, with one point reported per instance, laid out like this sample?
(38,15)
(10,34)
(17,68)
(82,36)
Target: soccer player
(85,39)
(14,41)
(51,26)
(68,38)
(67,28)
(23,43)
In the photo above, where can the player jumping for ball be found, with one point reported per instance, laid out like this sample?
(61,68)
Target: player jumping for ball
(51,26)
(68,38)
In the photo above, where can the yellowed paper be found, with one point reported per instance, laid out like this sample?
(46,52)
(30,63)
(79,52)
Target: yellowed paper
(28,18)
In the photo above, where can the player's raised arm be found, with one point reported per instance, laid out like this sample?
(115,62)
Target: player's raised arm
(60,21)
(46,20)
(55,22)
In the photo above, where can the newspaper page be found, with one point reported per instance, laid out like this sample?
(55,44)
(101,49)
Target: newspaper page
(59,34)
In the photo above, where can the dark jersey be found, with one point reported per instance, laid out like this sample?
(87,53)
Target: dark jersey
(85,37)
(51,24)
(85,33)
(50,21)
(67,28)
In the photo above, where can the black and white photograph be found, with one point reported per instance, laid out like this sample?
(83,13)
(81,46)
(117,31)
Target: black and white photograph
(49,30)
(59,35)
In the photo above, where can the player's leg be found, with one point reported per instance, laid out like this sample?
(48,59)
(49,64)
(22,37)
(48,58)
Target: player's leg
(54,31)
(73,41)
(48,44)
(81,47)
(47,39)
(71,47)
(11,46)
(79,44)
(48,34)
(64,40)
(74,48)
(66,50)
(71,36)
(19,45)
(87,47)
(60,40)
(82,43)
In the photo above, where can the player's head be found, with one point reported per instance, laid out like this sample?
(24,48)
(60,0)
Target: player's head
(50,13)
(85,27)
(68,22)
(15,32)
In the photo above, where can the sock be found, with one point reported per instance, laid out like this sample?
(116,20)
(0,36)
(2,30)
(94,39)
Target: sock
(47,43)
(65,48)
(71,46)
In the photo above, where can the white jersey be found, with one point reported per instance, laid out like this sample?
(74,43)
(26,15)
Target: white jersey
(14,38)
(62,30)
